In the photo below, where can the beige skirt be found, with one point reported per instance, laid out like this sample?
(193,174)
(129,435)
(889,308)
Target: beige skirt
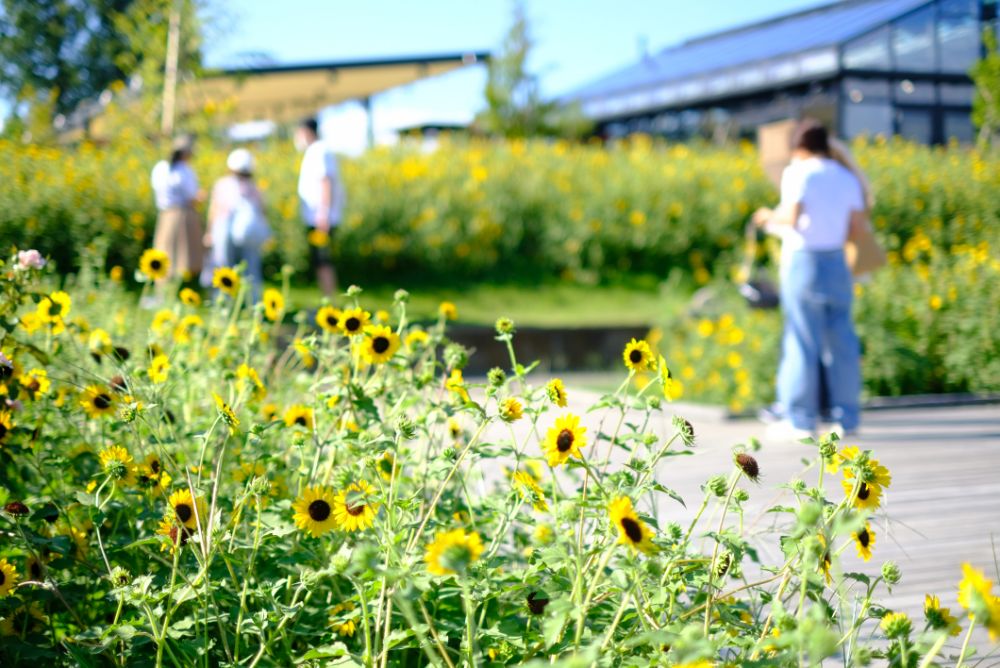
(179,235)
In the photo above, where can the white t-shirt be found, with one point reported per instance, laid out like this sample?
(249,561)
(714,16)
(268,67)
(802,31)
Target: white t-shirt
(175,186)
(319,162)
(828,193)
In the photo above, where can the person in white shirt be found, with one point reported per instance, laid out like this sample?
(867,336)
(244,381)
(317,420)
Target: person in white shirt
(178,226)
(321,195)
(822,205)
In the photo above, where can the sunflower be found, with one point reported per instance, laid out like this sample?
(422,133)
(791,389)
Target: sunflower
(329,319)
(344,628)
(185,328)
(6,424)
(247,376)
(99,342)
(974,589)
(98,401)
(190,297)
(448,311)
(386,465)
(869,496)
(269,412)
(556,392)
(116,462)
(8,578)
(564,439)
(452,551)
(151,476)
(154,264)
(314,511)
(938,618)
(274,304)
(162,319)
(417,338)
(529,489)
(304,352)
(672,388)
(226,280)
(638,356)
(354,320)
(158,369)
(54,309)
(380,344)
(864,540)
(36,382)
(632,531)
(299,416)
(511,410)
(456,385)
(352,510)
(226,413)
(187,510)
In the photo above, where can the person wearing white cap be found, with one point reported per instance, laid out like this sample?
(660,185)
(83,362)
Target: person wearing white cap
(237,224)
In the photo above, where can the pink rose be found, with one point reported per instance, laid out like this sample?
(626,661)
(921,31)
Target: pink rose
(30,259)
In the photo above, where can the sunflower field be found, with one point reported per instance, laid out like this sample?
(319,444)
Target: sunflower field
(180,487)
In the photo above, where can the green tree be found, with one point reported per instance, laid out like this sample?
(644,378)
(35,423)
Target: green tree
(986,105)
(515,107)
(60,50)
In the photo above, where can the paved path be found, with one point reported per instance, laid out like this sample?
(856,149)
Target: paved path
(943,507)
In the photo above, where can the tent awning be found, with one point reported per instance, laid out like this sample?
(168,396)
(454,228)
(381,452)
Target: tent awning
(287,92)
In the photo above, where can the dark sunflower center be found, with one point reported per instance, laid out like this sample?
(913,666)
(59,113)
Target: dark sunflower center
(3,430)
(864,492)
(380,344)
(301,420)
(154,466)
(226,281)
(352,324)
(183,512)
(864,538)
(36,570)
(34,385)
(386,465)
(3,577)
(354,509)
(155,265)
(331,320)
(564,441)
(319,510)
(631,529)
(56,308)
(635,356)
(102,401)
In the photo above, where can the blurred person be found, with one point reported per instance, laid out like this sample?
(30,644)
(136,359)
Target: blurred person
(236,221)
(178,226)
(321,194)
(823,203)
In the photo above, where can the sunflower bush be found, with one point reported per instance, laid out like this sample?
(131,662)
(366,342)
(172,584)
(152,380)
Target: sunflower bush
(194,485)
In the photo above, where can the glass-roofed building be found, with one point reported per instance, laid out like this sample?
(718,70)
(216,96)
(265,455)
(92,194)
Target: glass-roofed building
(862,66)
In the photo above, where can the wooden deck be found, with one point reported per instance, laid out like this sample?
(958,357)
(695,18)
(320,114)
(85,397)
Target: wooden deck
(942,509)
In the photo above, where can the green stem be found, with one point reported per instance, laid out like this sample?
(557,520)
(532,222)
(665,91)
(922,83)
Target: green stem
(965,643)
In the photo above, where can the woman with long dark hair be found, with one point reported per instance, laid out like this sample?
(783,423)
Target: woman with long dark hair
(822,205)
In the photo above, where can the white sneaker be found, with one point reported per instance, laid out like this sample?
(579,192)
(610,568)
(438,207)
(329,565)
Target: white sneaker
(785,431)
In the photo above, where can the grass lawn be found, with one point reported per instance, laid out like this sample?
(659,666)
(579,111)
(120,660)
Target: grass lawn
(547,305)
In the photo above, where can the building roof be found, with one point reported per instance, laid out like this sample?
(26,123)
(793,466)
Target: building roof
(793,46)
(286,92)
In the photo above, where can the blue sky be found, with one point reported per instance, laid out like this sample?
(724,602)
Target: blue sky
(576,41)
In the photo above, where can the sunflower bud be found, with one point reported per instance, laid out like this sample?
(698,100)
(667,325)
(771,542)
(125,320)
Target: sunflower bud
(827,449)
(400,297)
(496,377)
(405,428)
(653,402)
(16,508)
(674,531)
(798,485)
(896,625)
(810,514)
(741,496)
(260,486)
(449,453)
(505,327)
(120,577)
(456,356)
(891,573)
(718,485)
(748,465)
(354,291)
(685,430)
(128,413)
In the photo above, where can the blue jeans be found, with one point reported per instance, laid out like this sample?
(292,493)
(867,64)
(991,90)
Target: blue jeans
(816,295)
